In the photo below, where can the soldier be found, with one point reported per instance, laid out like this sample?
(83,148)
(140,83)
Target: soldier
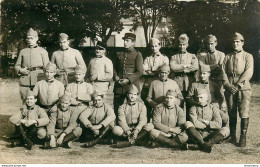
(132,120)
(213,58)
(237,70)
(184,65)
(168,121)
(128,68)
(66,59)
(79,90)
(205,123)
(97,120)
(30,63)
(50,90)
(30,121)
(100,69)
(159,88)
(63,123)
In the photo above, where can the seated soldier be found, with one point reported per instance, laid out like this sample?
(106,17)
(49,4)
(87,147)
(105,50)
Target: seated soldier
(205,123)
(168,121)
(132,120)
(50,90)
(30,122)
(97,120)
(63,126)
(158,88)
(79,90)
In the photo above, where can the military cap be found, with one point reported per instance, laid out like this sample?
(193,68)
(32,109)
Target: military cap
(80,69)
(154,41)
(204,68)
(101,45)
(201,91)
(29,93)
(165,67)
(50,66)
(129,35)
(183,38)
(97,93)
(33,33)
(211,38)
(65,98)
(63,36)
(133,89)
(171,92)
(238,36)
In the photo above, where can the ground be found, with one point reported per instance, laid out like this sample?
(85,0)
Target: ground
(222,153)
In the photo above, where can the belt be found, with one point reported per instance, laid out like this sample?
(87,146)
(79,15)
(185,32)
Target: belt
(35,68)
(71,69)
(234,75)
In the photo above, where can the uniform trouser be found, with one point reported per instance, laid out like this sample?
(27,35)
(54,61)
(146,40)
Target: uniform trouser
(23,91)
(185,105)
(239,102)
(88,134)
(77,132)
(118,131)
(118,101)
(183,137)
(144,95)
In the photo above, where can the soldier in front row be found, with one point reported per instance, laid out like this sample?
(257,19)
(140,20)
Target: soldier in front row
(237,70)
(30,63)
(29,122)
(63,126)
(169,120)
(205,125)
(97,121)
(132,121)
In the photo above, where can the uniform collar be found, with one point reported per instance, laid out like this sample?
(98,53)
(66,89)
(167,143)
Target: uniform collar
(130,50)
(183,52)
(131,103)
(204,82)
(240,51)
(30,108)
(212,52)
(156,55)
(99,106)
(164,81)
(35,46)
(169,107)
(50,81)
(79,82)
(99,57)
(65,49)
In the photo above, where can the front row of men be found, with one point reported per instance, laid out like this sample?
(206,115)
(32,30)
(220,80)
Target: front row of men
(64,123)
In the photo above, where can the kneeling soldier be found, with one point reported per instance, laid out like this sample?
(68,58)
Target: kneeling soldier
(132,120)
(79,90)
(206,123)
(169,120)
(63,123)
(30,121)
(97,120)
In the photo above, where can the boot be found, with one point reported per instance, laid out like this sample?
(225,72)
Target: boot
(215,139)
(46,144)
(141,137)
(68,139)
(198,138)
(121,144)
(168,141)
(187,146)
(244,126)
(233,127)
(102,134)
(25,139)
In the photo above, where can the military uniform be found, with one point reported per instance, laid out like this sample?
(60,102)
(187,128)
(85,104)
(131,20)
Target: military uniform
(34,59)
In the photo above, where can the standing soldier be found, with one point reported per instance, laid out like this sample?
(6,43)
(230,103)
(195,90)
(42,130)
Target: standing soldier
(184,65)
(237,70)
(159,88)
(79,90)
(213,58)
(97,120)
(128,68)
(64,123)
(30,63)
(30,121)
(66,59)
(100,69)
(50,90)
(168,121)
(132,120)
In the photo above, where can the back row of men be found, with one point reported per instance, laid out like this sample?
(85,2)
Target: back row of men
(231,72)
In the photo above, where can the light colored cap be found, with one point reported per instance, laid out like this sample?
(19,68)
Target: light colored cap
(165,67)
(133,89)
(211,38)
(154,41)
(97,93)
(50,66)
(65,98)
(204,68)
(171,92)
(238,36)
(29,93)
(80,69)
(33,33)
(201,91)
(183,38)
(63,36)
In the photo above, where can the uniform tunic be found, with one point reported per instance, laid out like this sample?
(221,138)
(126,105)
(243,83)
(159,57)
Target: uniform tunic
(158,90)
(34,59)
(48,92)
(103,69)
(183,79)
(80,92)
(66,61)
(64,121)
(238,69)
